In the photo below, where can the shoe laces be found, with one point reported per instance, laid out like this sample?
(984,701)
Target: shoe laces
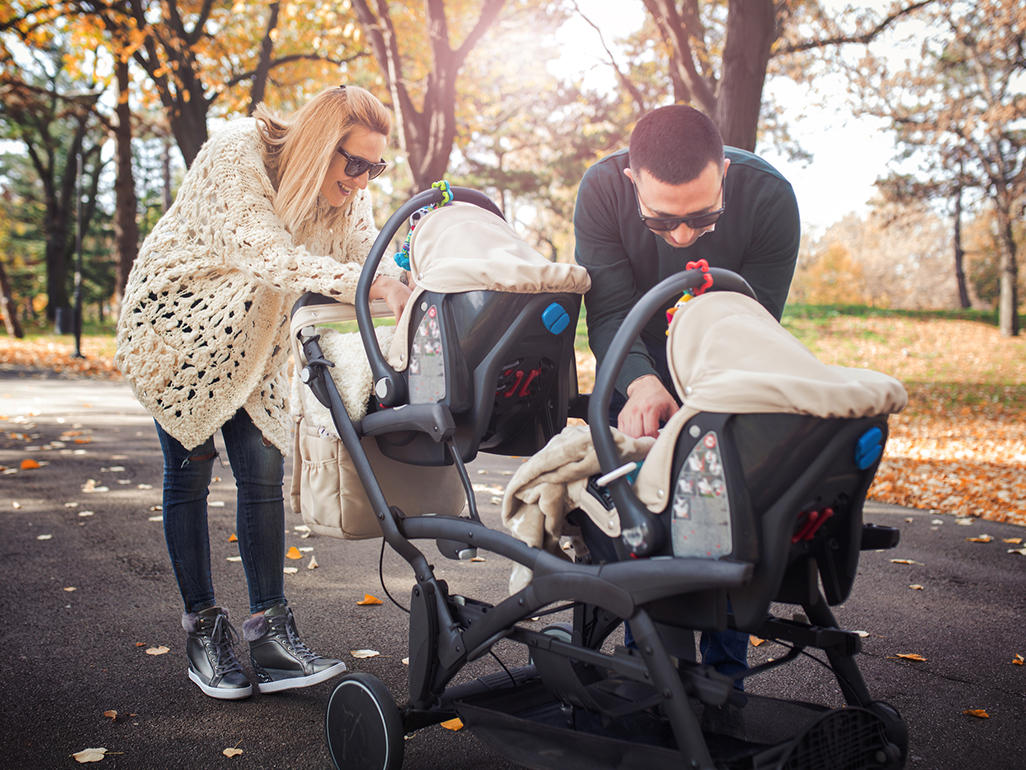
(284,628)
(222,639)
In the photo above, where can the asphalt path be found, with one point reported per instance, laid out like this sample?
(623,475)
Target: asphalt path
(88,591)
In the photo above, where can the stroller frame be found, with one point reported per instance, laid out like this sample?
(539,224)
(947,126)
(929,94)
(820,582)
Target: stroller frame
(663,703)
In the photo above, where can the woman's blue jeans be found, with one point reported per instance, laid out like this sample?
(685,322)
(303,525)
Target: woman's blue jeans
(258,468)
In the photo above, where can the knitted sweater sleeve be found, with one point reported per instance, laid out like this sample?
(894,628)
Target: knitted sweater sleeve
(256,241)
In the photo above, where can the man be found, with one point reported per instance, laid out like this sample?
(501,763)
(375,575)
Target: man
(675,196)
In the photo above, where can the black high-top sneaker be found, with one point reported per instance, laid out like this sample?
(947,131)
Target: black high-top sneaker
(212,662)
(281,661)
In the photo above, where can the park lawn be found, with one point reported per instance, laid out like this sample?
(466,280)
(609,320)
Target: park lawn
(958,447)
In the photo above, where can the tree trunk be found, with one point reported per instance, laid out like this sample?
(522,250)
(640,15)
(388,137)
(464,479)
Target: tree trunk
(751,30)
(7,306)
(963,289)
(57,233)
(1008,304)
(126,226)
(263,68)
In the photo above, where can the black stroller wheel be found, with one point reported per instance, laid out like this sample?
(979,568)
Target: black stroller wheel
(363,726)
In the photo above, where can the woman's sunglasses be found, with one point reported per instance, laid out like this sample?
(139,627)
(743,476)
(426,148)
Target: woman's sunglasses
(693,221)
(355,165)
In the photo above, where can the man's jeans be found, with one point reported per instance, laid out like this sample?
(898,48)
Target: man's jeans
(260,513)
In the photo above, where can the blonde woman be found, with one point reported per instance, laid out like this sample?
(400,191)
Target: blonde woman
(272,207)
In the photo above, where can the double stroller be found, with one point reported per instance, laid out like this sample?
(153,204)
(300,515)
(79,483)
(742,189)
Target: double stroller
(746,513)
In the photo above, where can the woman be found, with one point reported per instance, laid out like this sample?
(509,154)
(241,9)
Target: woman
(269,209)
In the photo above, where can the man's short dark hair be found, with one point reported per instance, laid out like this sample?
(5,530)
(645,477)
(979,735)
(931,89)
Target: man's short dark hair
(675,144)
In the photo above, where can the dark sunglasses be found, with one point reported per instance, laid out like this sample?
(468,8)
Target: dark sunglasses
(355,165)
(693,221)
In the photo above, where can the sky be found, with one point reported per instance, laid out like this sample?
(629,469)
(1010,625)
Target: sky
(849,152)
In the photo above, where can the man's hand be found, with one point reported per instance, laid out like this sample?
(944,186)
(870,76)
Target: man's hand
(392,291)
(648,404)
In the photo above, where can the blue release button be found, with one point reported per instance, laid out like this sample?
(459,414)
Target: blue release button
(868,448)
(555,318)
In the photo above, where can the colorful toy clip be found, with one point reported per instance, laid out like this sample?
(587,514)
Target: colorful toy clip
(402,257)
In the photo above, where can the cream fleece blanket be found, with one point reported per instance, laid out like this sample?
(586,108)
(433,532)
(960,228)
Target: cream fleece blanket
(553,482)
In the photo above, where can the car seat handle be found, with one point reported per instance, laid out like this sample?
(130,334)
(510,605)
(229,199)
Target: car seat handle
(640,531)
(389,386)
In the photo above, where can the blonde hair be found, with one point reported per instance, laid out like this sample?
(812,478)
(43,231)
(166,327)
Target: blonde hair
(299,148)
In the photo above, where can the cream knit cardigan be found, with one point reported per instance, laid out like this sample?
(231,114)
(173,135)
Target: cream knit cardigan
(204,319)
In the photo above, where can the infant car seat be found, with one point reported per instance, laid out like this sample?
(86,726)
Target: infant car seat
(488,333)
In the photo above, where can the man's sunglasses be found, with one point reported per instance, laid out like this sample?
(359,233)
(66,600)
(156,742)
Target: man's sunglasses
(355,165)
(693,221)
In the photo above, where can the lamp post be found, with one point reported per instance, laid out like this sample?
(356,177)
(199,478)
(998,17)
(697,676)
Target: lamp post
(77,320)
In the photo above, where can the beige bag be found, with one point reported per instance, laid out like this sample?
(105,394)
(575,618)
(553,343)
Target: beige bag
(327,493)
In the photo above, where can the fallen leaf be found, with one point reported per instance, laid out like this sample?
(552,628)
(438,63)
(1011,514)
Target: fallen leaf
(111,714)
(453,724)
(234,751)
(89,755)
(1012,540)
(861,634)
(44,537)
(756,641)
(293,553)
(916,587)
(980,539)
(215,503)
(140,644)
(15,504)
(979,713)
(290,570)
(911,656)
(233,558)
(360,654)
(964,522)
(69,589)
(368,601)
(29,464)
(313,563)
(1018,659)
(85,514)
(477,558)
(233,538)
(406,662)
(1020,551)
(159,650)
(905,561)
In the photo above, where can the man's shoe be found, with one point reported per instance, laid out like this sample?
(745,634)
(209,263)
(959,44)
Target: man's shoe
(281,661)
(212,662)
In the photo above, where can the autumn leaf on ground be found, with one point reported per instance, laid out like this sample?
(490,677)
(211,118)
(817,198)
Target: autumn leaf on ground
(29,464)
(980,539)
(233,538)
(313,563)
(360,654)
(905,561)
(916,587)
(234,751)
(1020,551)
(911,656)
(1012,540)
(290,570)
(756,641)
(293,553)
(453,724)
(1018,659)
(111,714)
(158,650)
(89,755)
(368,601)
(979,713)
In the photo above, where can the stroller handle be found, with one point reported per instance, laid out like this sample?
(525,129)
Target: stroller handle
(389,386)
(640,531)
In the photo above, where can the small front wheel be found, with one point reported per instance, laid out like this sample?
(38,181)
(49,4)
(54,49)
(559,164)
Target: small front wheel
(363,726)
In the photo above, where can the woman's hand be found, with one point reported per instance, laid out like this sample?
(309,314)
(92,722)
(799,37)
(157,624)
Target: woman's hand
(392,291)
